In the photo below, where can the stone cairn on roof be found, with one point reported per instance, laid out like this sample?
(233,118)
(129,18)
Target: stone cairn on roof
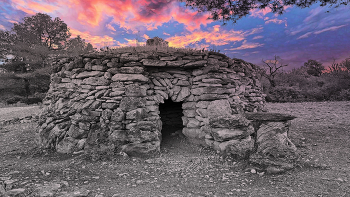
(108,102)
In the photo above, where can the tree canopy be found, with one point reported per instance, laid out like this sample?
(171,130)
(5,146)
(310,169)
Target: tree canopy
(314,68)
(41,29)
(233,10)
(35,39)
(77,45)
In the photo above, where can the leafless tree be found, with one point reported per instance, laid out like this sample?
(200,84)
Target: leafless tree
(271,68)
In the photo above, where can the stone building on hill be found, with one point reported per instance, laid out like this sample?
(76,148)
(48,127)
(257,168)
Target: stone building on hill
(126,102)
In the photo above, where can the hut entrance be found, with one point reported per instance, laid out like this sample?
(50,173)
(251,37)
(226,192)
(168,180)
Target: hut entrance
(170,115)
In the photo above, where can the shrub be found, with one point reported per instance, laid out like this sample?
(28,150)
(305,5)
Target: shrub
(285,94)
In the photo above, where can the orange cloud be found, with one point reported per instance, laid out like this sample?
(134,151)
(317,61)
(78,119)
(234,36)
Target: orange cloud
(96,41)
(146,37)
(215,37)
(2,27)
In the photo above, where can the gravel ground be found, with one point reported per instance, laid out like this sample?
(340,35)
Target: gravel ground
(18,112)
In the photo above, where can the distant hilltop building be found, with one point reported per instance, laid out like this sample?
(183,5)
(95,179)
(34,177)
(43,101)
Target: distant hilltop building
(156,41)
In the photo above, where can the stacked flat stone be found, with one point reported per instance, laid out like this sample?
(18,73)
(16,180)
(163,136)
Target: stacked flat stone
(112,100)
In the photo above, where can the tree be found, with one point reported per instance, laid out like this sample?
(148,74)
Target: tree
(41,29)
(314,68)
(272,69)
(78,46)
(236,9)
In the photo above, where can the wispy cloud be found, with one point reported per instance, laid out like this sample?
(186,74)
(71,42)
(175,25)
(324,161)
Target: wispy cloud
(318,21)
(277,21)
(2,27)
(257,37)
(305,35)
(246,45)
(333,28)
(329,29)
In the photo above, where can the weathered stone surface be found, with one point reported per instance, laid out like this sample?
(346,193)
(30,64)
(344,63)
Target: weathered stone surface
(239,148)
(177,63)
(149,62)
(113,70)
(202,112)
(135,90)
(169,58)
(195,64)
(198,57)
(189,113)
(273,141)
(210,97)
(109,105)
(193,123)
(129,58)
(219,108)
(67,145)
(221,135)
(99,67)
(202,104)
(189,105)
(229,121)
(142,149)
(98,81)
(131,70)
(129,77)
(131,103)
(185,92)
(118,136)
(264,116)
(75,132)
(89,74)
(136,114)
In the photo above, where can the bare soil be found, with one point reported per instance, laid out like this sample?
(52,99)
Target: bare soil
(321,133)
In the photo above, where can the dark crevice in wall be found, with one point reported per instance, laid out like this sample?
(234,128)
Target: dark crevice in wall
(170,113)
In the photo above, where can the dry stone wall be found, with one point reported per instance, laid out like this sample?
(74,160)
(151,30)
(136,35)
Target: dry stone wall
(109,101)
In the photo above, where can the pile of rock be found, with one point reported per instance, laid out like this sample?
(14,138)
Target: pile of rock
(110,101)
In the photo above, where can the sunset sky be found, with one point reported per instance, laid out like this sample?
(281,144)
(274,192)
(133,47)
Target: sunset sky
(296,36)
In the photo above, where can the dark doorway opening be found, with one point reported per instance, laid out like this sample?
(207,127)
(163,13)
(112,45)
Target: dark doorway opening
(170,115)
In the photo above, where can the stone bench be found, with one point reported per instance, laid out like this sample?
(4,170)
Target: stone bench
(273,150)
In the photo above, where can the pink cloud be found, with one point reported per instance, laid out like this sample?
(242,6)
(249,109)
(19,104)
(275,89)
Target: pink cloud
(214,36)
(257,37)
(110,27)
(246,45)
(275,20)
(31,7)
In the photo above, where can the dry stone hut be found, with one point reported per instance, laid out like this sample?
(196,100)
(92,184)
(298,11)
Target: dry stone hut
(126,102)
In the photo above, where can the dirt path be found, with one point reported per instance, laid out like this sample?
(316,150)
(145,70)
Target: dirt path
(321,133)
